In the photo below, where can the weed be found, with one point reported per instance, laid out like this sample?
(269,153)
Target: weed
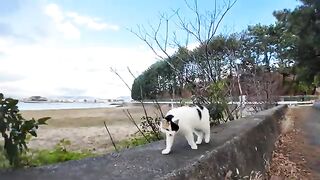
(138,140)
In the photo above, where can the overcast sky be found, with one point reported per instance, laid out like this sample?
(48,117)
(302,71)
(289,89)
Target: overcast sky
(66,47)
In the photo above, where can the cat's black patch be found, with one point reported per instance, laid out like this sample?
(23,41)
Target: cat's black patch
(201,107)
(199,113)
(169,117)
(174,126)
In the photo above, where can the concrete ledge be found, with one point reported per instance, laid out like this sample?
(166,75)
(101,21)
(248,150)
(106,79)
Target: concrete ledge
(316,104)
(243,146)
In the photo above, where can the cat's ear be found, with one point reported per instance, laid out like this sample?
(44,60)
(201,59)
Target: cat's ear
(174,126)
(169,117)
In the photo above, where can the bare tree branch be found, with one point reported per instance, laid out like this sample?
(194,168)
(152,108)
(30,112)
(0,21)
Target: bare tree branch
(113,143)
(128,114)
(115,72)
(230,5)
(141,102)
(131,73)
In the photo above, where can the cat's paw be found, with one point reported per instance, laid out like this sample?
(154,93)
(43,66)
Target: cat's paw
(207,138)
(194,147)
(165,151)
(199,142)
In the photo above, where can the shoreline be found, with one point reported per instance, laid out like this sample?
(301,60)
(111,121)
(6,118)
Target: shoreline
(23,106)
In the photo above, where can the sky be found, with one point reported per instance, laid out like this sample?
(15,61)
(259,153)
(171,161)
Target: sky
(67,47)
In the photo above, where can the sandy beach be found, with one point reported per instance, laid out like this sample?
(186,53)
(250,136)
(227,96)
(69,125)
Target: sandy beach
(85,128)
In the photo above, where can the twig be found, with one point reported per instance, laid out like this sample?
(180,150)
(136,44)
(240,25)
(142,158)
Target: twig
(159,108)
(114,145)
(128,114)
(141,102)
(131,73)
(115,72)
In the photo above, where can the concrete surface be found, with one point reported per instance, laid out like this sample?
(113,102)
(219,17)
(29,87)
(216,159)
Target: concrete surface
(317,104)
(241,146)
(312,126)
(311,129)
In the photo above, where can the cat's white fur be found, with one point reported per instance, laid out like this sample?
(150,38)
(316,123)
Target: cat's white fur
(188,121)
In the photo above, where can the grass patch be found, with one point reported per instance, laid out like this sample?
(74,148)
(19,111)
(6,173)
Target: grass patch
(137,140)
(45,157)
(34,158)
(4,163)
(58,154)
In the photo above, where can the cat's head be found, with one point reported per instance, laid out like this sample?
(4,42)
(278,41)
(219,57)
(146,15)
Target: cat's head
(169,125)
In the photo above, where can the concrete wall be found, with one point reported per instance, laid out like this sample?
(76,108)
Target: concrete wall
(249,150)
(242,146)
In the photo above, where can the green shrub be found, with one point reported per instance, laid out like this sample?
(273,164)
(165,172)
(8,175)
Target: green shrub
(14,129)
(4,162)
(316,80)
(304,87)
(58,154)
(218,102)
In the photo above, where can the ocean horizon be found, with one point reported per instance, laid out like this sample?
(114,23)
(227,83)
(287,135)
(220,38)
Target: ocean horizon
(60,105)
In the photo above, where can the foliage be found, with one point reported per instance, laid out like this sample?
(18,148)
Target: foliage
(148,131)
(304,87)
(216,112)
(316,80)
(160,79)
(14,129)
(150,126)
(146,126)
(292,41)
(241,64)
(58,154)
(218,102)
(303,23)
(155,80)
(4,163)
(34,157)
(138,140)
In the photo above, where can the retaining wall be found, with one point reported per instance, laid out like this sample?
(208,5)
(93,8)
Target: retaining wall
(241,147)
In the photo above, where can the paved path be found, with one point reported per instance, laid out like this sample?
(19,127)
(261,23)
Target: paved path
(310,126)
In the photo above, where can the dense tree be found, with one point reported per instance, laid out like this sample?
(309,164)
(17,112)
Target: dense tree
(304,24)
(192,66)
(225,66)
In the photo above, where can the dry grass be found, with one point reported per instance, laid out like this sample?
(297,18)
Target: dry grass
(89,117)
(85,128)
(287,124)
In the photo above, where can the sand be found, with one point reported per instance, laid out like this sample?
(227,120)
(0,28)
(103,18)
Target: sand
(84,128)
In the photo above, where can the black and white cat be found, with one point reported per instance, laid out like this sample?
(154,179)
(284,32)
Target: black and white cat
(186,120)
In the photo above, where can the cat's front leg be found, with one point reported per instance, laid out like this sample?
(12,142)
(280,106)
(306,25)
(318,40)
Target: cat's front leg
(169,142)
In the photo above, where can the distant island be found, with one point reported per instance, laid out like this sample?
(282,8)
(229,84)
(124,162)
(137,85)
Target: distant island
(75,99)
(35,99)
